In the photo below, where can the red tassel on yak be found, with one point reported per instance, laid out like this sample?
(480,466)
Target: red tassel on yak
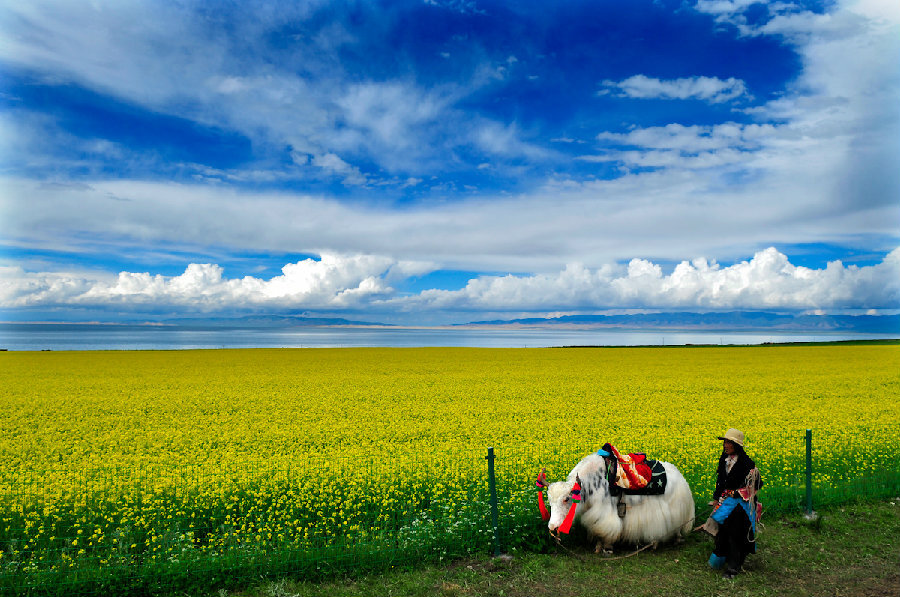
(541,484)
(566,526)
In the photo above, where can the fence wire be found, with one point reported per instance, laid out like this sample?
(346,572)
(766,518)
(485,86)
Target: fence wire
(161,529)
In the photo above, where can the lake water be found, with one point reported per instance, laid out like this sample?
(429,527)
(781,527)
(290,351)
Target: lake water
(132,337)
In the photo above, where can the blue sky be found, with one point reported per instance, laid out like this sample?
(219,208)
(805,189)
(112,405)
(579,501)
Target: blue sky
(437,161)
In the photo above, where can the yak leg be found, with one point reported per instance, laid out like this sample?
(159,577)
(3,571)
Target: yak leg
(603,547)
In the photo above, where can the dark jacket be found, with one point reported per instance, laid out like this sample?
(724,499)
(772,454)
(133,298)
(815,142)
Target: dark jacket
(736,537)
(735,478)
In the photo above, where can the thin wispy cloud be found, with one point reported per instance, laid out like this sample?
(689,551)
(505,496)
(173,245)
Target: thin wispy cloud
(707,89)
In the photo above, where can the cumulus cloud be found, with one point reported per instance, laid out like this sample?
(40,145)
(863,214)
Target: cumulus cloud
(334,281)
(767,281)
(19,288)
(708,89)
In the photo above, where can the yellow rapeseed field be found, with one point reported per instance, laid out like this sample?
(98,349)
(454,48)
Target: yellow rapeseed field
(124,458)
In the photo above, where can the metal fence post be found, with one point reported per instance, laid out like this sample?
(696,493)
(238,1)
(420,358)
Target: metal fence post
(809,508)
(492,485)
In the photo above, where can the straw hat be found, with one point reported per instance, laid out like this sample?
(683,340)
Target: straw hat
(733,435)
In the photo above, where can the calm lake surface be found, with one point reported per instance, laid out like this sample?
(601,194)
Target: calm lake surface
(135,337)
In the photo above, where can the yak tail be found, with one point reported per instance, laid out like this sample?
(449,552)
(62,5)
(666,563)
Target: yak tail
(688,526)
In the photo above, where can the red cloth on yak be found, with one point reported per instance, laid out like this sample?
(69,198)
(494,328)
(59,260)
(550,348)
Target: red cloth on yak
(633,471)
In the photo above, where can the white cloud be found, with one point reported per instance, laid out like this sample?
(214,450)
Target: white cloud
(333,281)
(21,289)
(708,89)
(665,215)
(795,21)
(506,141)
(334,164)
(170,60)
(695,147)
(693,139)
(767,281)
(830,145)
(229,85)
(726,7)
(32,140)
(826,170)
(390,110)
(461,6)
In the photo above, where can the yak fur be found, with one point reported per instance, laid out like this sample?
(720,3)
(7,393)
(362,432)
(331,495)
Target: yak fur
(648,518)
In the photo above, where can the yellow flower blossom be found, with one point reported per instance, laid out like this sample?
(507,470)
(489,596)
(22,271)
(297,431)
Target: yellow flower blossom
(119,458)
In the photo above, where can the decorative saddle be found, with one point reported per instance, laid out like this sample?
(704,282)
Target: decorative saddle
(634,474)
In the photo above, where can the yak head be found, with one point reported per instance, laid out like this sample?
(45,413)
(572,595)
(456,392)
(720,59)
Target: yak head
(567,498)
(566,502)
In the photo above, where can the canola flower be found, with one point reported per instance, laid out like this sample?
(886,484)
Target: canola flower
(125,460)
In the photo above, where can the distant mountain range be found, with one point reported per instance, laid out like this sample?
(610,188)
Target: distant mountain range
(735,320)
(714,321)
(677,321)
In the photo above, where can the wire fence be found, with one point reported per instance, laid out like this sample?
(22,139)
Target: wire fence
(160,529)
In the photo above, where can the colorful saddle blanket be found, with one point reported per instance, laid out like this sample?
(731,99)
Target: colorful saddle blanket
(634,474)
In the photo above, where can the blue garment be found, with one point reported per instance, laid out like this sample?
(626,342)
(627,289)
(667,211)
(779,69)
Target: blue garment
(716,562)
(727,507)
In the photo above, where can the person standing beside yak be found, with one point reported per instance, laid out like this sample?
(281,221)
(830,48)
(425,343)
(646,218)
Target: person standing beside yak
(735,509)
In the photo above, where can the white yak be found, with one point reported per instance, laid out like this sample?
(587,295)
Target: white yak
(647,519)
